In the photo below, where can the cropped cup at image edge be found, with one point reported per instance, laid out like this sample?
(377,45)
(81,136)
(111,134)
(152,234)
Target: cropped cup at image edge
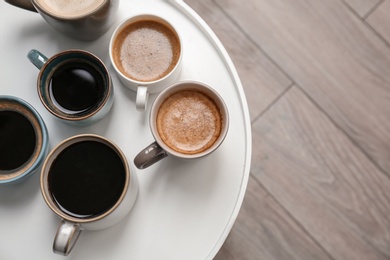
(85,20)
(24,139)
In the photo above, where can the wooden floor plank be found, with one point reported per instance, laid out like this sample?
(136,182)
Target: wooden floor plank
(339,61)
(362,7)
(324,190)
(322,179)
(380,20)
(262,80)
(263,230)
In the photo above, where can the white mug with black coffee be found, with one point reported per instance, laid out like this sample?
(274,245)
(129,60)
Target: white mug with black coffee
(188,120)
(146,53)
(74,85)
(87,181)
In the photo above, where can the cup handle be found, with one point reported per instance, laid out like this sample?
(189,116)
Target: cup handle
(25,4)
(142,98)
(150,155)
(37,58)
(66,238)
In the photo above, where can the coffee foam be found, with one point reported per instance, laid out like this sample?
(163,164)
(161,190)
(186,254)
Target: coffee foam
(189,122)
(70,8)
(146,50)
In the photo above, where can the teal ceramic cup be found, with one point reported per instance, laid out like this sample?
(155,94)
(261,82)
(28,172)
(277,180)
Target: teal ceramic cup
(24,140)
(74,86)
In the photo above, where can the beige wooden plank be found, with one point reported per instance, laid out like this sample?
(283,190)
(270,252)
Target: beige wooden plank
(341,63)
(322,179)
(263,230)
(380,20)
(362,7)
(261,79)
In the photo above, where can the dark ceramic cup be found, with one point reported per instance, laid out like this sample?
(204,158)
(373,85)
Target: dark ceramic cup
(82,20)
(74,85)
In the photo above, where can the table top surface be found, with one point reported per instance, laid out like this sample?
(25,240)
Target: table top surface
(185,209)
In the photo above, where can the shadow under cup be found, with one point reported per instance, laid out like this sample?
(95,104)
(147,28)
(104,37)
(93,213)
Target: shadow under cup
(23,139)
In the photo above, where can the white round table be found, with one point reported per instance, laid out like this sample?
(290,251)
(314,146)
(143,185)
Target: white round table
(185,209)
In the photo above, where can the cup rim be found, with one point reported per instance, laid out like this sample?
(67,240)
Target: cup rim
(72,18)
(184,85)
(91,113)
(51,158)
(42,136)
(130,20)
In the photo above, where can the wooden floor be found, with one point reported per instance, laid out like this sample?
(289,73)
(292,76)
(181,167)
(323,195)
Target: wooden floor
(317,79)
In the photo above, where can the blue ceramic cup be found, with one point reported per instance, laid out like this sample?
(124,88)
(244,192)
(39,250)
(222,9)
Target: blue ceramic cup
(23,140)
(74,85)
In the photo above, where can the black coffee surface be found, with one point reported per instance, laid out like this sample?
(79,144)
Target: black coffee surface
(76,87)
(87,179)
(17,140)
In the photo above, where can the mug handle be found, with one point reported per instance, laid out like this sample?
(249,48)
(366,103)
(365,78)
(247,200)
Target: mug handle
(66,238)
(37,58)
(149,156)
(142,98)
(24,4)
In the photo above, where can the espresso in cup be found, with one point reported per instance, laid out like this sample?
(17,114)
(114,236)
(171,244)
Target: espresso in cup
(188,120)
(146,53)
(23,139)
(87,181)
(73,85)
(17,139)
(76,87)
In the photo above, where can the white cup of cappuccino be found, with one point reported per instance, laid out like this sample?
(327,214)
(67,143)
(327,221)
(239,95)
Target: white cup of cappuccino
(146,53)
(188,120)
